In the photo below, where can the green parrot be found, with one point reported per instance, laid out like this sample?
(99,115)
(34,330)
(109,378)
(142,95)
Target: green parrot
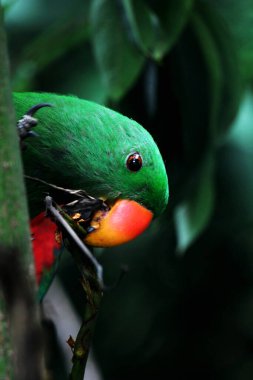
(88,147)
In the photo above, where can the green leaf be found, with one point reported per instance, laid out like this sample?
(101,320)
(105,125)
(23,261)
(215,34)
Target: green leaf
(156,28)
(119,60)
(126,32)
(238,18)
(193,214)
(61,36)
(210,93)
(230,81)
(211,59)
(241,133)
(172,17)
(143,26)
(198,86)
(234,210)
(206,82)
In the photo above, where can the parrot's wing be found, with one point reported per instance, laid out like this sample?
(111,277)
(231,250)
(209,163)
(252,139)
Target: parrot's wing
(47,236)
(47,249)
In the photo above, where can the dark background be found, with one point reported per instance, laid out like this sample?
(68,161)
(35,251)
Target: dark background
(184,70)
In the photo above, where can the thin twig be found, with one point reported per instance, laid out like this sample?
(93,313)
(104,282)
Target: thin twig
(92,282)
(77,193)
(96,266)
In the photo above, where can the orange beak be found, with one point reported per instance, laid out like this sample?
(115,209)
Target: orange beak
(125,220)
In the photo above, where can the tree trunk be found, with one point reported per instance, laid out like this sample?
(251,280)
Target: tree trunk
(20,337)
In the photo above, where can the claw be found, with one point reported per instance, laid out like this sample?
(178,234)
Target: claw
(35,108)
(27,122)
(32,134)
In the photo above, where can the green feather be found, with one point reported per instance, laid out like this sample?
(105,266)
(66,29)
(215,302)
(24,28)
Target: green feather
(83,145)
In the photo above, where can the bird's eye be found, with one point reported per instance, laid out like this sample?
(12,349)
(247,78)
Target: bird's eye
(134,162)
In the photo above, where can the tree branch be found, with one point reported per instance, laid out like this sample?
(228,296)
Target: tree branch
(17,283)
(92,282)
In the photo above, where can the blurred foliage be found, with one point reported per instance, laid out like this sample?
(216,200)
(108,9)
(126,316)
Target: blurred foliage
(184,70)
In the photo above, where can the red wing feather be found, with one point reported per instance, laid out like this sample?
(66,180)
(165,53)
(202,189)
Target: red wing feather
(45,244)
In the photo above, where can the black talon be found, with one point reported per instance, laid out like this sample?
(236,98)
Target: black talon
(35,108)
(32,134)
(27,122)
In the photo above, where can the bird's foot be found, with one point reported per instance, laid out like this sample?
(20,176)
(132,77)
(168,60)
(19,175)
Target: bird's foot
(26,124)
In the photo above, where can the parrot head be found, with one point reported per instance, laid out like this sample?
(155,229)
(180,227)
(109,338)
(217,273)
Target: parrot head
(133,181)
(83,145)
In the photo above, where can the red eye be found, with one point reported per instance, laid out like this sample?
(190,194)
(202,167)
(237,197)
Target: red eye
(134,162)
